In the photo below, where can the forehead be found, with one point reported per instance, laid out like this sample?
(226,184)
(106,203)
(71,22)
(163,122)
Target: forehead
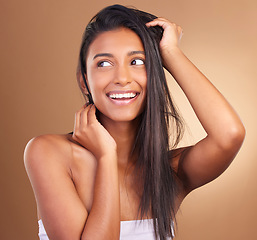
(118,40)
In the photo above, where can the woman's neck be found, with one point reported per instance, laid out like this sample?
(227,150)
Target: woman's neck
(124,134)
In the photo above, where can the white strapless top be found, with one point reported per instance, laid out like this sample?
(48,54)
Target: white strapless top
(129,230)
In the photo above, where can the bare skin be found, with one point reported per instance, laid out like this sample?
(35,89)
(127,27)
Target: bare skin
(83,182)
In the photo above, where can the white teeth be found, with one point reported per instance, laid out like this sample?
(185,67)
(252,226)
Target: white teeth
(122,95)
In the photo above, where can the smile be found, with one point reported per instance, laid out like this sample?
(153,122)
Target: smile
(122,95)
(122,98)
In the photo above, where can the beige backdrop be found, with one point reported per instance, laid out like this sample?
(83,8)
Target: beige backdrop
(39,47)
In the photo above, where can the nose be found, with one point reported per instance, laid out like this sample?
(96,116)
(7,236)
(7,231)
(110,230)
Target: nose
(122,76)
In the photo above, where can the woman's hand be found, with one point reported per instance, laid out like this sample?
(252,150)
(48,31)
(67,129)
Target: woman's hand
(171,36)
(91,134)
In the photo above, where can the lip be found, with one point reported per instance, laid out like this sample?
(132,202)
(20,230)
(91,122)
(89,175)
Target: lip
(122,101)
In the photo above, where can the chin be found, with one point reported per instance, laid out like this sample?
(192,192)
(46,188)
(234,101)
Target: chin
(119,116)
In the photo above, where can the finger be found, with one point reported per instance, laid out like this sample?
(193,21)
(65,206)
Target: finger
(156,23)
(83,116)
(162,22)
(180,32)
(76,124)
(91,114)
(86,104)
(77,121)
(179,29)
(159,19)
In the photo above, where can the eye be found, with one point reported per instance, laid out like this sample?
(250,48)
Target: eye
(137,62)
(103,64)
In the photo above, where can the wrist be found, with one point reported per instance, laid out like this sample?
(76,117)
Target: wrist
(169,56)
(108,155)
(170,51)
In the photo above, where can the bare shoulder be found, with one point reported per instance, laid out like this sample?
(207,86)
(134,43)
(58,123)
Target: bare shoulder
(52,155)
(49,141)
(47,148)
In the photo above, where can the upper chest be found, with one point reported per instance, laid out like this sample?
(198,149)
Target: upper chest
(84,167)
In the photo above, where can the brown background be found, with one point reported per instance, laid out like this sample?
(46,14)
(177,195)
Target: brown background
(39,47)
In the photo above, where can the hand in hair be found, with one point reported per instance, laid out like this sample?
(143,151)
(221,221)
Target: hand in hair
(171,36)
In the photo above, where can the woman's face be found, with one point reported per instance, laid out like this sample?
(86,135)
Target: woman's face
(116,74)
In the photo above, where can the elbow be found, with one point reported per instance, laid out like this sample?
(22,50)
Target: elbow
(234,137)
(238,135)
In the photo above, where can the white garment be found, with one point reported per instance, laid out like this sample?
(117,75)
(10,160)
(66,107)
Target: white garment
(129,230)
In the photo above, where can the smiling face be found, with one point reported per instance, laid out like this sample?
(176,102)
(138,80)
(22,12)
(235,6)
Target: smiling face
(116,74)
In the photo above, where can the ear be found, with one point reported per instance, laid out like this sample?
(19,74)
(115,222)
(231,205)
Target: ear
(81,82)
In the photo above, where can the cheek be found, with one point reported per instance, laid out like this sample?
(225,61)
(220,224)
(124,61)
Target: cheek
(140,76)
(97,87)
(142,81)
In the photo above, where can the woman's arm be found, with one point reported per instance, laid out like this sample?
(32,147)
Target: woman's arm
(63,213)
(104,218)
(207,159)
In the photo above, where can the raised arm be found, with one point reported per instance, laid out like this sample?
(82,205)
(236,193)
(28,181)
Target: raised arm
(62,210)
(207,159)
(104,218)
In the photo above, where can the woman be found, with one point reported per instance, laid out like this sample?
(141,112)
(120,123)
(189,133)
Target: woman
(118,166)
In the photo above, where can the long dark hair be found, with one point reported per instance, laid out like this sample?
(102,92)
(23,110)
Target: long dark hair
(152,143)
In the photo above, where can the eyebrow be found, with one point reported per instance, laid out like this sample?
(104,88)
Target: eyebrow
(103,55)
(136,52)
(111,55)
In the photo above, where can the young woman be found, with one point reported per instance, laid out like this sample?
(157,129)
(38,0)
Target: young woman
(119,174)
